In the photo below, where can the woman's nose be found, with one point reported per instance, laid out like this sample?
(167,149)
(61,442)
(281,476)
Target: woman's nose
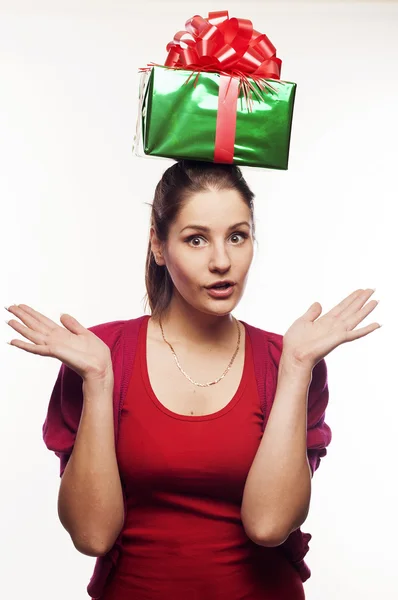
(220,258)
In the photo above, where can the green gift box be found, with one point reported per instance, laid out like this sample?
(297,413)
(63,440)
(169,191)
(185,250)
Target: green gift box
(179,117)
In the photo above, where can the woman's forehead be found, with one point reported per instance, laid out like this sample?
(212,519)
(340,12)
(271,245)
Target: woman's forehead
(214,204)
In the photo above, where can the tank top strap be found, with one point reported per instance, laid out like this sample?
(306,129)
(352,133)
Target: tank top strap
(259,343)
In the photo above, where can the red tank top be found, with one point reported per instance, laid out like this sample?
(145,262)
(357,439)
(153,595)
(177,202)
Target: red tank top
(184,478)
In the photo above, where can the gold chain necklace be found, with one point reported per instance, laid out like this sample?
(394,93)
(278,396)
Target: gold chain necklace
(187,376)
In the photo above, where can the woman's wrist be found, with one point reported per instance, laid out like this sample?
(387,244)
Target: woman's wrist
(101,381)
(290,367)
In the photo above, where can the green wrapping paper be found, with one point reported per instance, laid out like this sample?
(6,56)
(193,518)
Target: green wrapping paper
(177,119)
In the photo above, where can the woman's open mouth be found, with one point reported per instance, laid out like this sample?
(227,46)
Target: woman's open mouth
(221,291)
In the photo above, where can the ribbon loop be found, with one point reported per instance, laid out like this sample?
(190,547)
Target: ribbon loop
(218,17)
(183,37)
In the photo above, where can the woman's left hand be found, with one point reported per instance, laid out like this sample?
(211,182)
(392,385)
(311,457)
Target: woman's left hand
(310,338)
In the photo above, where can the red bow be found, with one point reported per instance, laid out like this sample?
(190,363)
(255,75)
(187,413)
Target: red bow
(224,45)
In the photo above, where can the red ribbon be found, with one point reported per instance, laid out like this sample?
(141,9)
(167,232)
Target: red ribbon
(226,45)
(233,48)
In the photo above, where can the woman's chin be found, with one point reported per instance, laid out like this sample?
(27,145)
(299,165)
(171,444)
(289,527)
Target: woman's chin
(220,308)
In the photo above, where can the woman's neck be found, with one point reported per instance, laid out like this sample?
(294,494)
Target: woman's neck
(186,324)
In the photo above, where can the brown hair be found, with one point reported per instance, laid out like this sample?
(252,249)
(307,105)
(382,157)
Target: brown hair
(178,183)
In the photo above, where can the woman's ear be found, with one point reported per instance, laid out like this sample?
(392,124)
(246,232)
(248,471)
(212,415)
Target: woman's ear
(156,247)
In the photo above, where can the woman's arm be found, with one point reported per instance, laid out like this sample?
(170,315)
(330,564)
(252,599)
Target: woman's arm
(90,501)
(277,492)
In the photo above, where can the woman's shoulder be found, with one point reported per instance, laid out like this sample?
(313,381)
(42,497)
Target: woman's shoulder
(270,341)
(272,336)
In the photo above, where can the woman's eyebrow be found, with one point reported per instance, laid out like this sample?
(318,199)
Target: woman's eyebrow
(207,229)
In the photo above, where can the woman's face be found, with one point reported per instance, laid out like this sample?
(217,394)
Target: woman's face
(211,240)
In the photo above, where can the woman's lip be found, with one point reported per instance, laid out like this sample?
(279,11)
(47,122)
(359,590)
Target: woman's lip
(221,293)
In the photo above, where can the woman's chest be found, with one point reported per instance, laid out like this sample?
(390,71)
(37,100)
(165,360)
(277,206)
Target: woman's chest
(178,394)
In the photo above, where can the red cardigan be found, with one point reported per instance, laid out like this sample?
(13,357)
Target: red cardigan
(65,406)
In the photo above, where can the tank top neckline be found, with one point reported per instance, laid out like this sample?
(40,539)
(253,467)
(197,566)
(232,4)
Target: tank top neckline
(215,415)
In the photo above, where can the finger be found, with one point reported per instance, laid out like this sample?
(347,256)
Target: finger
(32,318)
(359,316)
(339,308)
(358,333)
(32,348)
(72,324)
(356,304)
(36,337)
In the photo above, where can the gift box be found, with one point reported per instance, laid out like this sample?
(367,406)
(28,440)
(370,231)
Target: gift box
(213,101)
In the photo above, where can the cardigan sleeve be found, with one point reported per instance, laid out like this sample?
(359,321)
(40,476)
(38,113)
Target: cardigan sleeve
(319,434)
(66,401)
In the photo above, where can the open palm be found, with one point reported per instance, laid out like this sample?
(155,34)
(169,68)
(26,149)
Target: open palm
(312,337)
(73,344)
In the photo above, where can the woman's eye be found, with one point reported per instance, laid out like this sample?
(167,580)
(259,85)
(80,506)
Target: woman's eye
(234,235)
(243,235)
(193,238)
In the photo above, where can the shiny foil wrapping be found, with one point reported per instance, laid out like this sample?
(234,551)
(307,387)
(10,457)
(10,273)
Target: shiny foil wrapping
(178,118)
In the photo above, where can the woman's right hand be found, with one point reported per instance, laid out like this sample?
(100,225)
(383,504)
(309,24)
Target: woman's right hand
(73,344)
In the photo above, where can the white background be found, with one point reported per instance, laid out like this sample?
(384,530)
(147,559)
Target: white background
(74,230)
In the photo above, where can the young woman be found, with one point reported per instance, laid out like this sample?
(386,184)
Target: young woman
(168,459)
